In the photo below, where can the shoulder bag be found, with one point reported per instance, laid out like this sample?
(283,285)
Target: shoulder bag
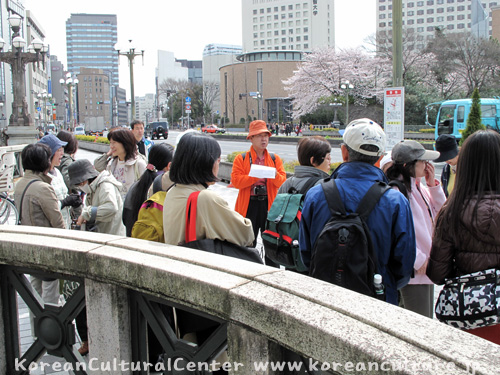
(470,301)
(213,245)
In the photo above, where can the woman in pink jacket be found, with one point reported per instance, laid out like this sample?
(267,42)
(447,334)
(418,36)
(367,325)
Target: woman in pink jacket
(411,164)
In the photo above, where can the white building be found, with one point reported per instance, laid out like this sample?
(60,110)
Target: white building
(423,17)
(145,108)
(168,68)
(216,56)
(287,24)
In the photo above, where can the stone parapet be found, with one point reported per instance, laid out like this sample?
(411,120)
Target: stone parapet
(318,320)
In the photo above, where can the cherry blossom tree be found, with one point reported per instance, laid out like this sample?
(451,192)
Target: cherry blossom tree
(321,74)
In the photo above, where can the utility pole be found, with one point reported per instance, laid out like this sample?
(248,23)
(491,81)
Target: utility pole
(397,43)
(131,54)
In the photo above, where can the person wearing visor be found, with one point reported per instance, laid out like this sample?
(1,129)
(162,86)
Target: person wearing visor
(256,190)
(411,163)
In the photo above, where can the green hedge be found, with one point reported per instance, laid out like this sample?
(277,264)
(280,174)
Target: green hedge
(426,130)
(91,138)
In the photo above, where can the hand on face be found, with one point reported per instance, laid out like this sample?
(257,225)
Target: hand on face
(430,177)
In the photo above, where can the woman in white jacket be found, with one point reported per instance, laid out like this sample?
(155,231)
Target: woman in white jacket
(411,164)
(122,161)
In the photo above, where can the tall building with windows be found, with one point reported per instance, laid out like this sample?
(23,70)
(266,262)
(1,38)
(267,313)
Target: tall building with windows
(424,16)
(90,42)
(299,25)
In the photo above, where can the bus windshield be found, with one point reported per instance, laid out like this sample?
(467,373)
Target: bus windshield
(431,112)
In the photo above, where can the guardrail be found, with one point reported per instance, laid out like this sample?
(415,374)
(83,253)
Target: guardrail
(262,309)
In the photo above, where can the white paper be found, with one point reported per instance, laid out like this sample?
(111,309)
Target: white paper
(261,171)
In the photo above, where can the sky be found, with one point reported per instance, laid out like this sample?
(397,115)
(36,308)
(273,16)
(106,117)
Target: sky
(183,27)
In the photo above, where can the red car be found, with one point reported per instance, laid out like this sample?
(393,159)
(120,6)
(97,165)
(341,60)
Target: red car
(212,129)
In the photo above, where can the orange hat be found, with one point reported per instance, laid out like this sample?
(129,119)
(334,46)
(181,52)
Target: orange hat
(257,127)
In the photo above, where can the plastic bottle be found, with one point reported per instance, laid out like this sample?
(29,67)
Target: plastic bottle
(379,287)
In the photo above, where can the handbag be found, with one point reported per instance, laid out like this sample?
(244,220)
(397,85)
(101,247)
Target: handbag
(470,301)
(216,246)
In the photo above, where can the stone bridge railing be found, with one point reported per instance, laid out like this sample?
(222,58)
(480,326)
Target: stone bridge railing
(262,308)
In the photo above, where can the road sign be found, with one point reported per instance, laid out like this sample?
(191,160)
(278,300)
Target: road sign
(188,99)
(188,111)
(252,93)
(39,109)
(188,107)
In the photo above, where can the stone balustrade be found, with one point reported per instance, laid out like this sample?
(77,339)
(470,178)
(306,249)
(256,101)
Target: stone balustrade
(263,306)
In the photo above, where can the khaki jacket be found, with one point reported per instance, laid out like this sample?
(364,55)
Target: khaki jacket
(214,219)
(40,206)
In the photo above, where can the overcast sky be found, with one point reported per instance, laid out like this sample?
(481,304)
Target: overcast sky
(183,27)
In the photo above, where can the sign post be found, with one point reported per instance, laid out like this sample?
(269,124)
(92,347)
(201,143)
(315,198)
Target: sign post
(188,109)
(394,116)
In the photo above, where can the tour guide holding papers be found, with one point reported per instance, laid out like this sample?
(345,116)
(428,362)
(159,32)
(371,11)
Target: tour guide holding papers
(257,187)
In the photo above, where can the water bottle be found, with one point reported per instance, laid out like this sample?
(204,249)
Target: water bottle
(379,287)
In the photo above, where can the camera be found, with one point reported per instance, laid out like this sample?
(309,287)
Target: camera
(260,190)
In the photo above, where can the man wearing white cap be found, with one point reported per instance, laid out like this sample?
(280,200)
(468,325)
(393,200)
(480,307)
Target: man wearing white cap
(390,222)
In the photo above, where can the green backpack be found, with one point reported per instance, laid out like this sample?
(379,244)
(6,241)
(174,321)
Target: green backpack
(281,235)
(149,224)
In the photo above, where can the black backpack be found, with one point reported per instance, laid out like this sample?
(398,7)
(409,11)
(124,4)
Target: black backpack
(343,253)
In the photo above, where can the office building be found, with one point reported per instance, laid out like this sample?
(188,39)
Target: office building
(59,96)
(287,24)
(253,87)
(90,41)
(145,108)
(423,17)
(95,97)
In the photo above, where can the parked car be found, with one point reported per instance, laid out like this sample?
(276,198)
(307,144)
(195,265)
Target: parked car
(79,130)
(212,129)
(159,132)
(156,129)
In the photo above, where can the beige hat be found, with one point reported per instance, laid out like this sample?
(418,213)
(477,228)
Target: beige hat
(364,132)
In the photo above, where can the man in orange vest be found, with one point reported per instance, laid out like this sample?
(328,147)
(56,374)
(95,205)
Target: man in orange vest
(257,194)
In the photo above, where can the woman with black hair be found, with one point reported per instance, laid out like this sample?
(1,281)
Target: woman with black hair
(411,164)
(194,168)
(122,160)
(314,159)
(159,160)
(467,237)
(39,206)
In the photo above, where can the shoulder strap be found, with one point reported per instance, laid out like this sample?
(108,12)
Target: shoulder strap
(21,201)
(371,198)
(332,196)
(309,184)
(191,217)
(273,157)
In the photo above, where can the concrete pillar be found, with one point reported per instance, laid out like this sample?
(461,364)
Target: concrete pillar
(108,321)
(247,348)
(3,343)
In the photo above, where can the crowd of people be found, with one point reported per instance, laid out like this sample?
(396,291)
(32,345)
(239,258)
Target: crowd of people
(423,230)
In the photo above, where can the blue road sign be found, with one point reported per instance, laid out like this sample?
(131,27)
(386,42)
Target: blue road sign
(188,99)
(39,109)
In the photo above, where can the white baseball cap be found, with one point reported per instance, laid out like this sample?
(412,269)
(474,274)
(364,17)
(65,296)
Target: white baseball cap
(362,132)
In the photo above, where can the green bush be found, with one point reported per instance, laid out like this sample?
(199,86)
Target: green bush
(91,138)
(230,157)
(426,131)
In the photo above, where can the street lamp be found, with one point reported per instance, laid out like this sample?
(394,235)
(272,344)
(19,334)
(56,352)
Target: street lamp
(335,104)
(70,82)
(18,59)
(44,96)
(131,54)
(346,86)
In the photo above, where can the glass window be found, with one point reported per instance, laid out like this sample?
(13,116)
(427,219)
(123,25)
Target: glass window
(255,11)
(488,110)
(420,12)
(290,7)
(461,113)
(430,11)
(430,20)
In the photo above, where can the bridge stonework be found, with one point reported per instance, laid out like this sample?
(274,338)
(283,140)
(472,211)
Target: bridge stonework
(264,307)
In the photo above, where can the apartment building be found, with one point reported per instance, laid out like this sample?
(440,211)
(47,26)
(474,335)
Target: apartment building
(299,25)
(423,17)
